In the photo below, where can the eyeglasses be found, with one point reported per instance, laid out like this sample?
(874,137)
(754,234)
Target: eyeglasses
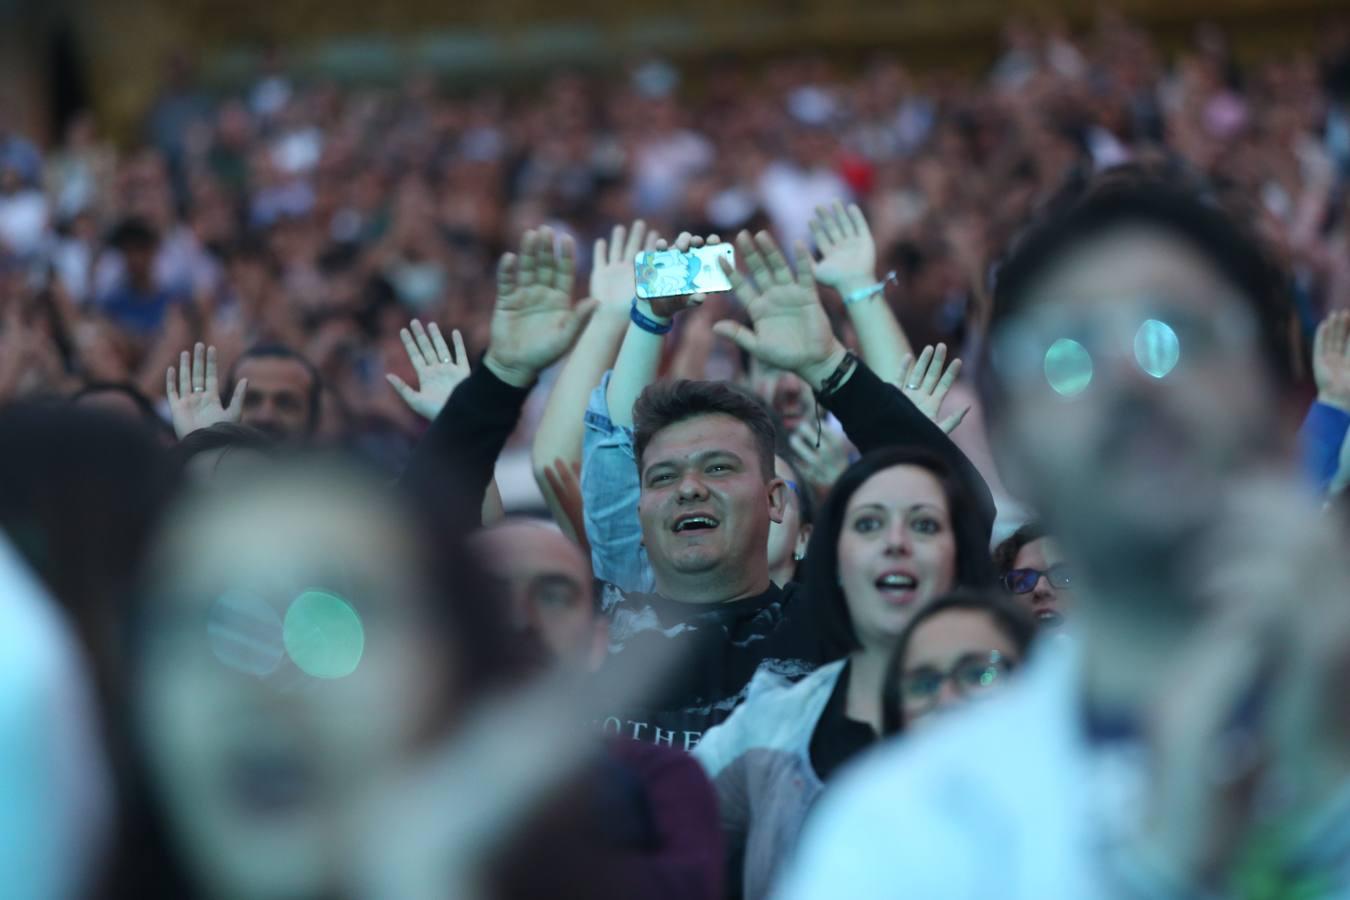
(973,674)
(1061,347)
(1023,581)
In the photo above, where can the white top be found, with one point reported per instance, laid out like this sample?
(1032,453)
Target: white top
(54,792)
(1006,799)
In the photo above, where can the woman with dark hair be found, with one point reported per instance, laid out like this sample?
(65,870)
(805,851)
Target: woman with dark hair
(957,648)
(898,530)
(205,452)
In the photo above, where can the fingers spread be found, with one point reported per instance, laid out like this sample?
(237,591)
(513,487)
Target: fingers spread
(184,373)
(565,265)
(237,401)
(777,263)
(461,355)
(636,235)
(855,215)
(508,274)
(930,380)
(424,343)
(210,382)
(399,385)
(414,352)
(199,366)
(170,388)
(738,334)
(616,245)
(438,344)
(806,266)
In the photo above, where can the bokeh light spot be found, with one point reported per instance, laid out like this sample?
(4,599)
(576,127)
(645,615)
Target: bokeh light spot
(1156,348)
(1068,367)
(244,632)
(324,635)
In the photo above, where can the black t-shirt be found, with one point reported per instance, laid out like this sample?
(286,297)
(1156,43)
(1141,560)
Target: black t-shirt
(837,738)
(720,647)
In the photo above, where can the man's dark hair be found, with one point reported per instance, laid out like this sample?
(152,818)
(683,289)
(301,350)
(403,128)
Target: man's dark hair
(1161,197)
(667,403)
(1007,617)
(133,233)
(1005,554)
(281,351)
(822,579)
(221,436)
(143,405)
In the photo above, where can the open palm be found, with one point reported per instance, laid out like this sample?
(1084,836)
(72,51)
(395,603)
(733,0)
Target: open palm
(613,278)
(533,321)
(194,393)
(848,254)
(438,370)
(1331,360)
(791,330)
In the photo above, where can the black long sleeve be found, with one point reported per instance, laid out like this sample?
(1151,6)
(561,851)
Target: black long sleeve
(876,414)
(468,435)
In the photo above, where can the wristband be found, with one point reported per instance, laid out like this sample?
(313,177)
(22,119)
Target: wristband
(867,293)
(831,384)
(647,323)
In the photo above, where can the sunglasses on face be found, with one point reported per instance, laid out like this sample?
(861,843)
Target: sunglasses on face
(972,674)
(1023,581)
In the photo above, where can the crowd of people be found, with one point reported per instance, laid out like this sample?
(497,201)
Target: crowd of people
(969,545)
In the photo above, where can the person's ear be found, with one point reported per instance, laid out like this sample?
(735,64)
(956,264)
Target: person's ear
(777,500)
(803,541)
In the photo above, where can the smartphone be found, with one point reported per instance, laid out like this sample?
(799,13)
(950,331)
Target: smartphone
(670,273)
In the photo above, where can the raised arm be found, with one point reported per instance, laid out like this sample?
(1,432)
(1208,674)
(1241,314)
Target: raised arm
(533,324)
(439,372)
(848,262)
(1324,430)
(194,393)
(558,440)
(791,331)
(609,479)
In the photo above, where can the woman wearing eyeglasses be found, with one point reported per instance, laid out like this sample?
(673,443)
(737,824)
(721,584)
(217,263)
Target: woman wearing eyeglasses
(1034,572)
(898,530)
(960,647)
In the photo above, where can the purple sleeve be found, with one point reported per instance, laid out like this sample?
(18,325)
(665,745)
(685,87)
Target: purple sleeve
(688,860)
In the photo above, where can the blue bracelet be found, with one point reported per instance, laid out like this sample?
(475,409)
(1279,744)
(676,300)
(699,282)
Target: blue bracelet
(647,323)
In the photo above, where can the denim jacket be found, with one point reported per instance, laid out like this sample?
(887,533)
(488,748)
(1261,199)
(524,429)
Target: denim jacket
(609,490)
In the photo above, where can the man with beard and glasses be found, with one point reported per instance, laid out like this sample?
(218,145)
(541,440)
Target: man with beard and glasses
(704,452)
(1190,742)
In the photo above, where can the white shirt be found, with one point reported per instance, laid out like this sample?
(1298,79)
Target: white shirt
(54,794)
(1005,799)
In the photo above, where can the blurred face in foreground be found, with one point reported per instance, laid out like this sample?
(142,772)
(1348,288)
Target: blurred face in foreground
(1136,391)
(285,660)
(546,579)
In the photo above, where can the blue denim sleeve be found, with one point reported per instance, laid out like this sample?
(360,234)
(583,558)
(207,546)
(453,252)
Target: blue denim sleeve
(609,491)
(1320,441)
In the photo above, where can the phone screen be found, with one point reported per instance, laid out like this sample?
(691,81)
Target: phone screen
(670,273)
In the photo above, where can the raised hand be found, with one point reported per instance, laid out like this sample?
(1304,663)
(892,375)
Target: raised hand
(194,394)
(1331,360)
(791,330)
(613,281)
(438,370)
(533,321)
(820,465)
(848,254)
(667,307)
(926,384)
(564,479)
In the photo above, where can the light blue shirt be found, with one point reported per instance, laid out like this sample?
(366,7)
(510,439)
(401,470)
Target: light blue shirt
(609,489)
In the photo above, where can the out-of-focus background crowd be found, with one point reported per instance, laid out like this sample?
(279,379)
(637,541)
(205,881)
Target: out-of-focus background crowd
(272,192)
